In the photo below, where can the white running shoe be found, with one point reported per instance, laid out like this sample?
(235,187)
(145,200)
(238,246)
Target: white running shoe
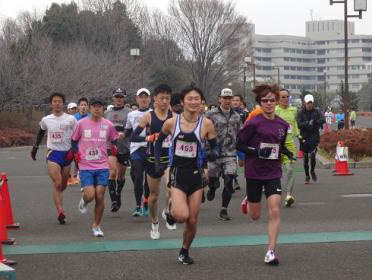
(97,232)
(83,206)
(168,225)
(154,233)
(270,258)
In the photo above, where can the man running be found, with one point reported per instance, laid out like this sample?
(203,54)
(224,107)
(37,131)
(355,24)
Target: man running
(118,164)
(310,120)
(228,124)
(92,138)
(71,108)
(189,130)
(263,140)
(288,113)
(82,109)
(138,153)
(153,122)
(60,127)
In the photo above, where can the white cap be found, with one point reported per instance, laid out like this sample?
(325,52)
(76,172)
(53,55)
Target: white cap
(109,107)
(143,90)
(226,92)
(71,105)
(309,98)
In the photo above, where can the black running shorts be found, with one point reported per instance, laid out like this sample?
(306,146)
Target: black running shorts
(255,187)
(188,180)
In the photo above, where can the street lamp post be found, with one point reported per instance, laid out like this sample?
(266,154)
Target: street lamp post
(248,62)
(359,6)
(135,53)
(325,89)
(278,73)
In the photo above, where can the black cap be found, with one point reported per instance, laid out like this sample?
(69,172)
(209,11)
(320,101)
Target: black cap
(96,100)
(119,92)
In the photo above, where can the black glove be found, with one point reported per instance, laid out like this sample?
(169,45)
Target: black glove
(34,152)
(212,155)
(265,152)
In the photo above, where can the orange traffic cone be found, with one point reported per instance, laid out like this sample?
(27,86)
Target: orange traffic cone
(3,231)
(300,154)
(341,167)
(9,219)
(4,260)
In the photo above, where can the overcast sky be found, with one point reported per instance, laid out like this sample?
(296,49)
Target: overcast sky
(269,16)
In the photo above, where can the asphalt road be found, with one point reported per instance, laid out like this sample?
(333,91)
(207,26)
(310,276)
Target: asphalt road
(326,235)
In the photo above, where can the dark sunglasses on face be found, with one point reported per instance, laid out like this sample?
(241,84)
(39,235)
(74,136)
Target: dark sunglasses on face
(286,96)
(271,100)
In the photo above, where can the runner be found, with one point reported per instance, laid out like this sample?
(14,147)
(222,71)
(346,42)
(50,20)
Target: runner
(189,130)
(92,138)
(309,121)
(138,154)
(153,122)
(228,124)
(60,127)
(82,109)
(263,140)
(288,113)
(71,108)
(118,164)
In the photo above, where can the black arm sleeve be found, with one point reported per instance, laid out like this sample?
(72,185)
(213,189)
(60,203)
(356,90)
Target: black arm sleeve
(115,143)
(158,146)
(136,135)
(301,122)
(39,137)
(246,149)
(74,146)
(283,148)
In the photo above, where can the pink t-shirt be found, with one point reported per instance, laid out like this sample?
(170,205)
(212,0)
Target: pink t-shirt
(94,138)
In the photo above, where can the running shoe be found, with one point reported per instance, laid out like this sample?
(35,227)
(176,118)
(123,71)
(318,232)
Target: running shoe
(307,180)
(289,200)
(137,212)
(210,194)
(97,232)
(83,206)
(61,217)
(145,210)
(114,207)
(244,205)
(170,222)
(270,258)
(185,259)
(154,233)
(313,176)
(224,216)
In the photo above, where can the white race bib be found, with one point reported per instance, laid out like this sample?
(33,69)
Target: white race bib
(186,149)
(93,153)
(56,136)
(274,150)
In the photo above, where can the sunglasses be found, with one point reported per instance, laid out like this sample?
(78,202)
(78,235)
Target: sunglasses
(284,97)
(271,100)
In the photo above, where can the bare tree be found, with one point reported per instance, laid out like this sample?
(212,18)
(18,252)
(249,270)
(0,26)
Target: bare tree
(209,30)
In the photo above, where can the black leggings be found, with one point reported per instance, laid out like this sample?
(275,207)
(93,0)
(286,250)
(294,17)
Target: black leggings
(139,180)
(312,157)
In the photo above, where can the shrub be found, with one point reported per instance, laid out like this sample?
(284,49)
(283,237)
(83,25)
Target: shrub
(357,140)
(15,137)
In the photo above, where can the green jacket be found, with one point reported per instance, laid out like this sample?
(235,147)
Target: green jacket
(289,115)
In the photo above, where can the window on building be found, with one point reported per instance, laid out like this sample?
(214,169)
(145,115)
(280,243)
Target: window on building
(366,49)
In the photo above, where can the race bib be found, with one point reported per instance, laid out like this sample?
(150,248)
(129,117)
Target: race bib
(166,142)
(56,136)
(186,149)
(93,153)
(274,151)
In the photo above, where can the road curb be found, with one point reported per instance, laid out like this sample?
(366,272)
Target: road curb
(326,164)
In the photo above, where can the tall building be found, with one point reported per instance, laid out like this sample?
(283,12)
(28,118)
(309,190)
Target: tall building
(314,61)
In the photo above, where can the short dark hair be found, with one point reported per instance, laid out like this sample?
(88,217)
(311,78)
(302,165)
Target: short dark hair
(162,88)
(81,99)
(240,97)
(264,89)
(284,89)
(190,88)
(175,99)
(54,94)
